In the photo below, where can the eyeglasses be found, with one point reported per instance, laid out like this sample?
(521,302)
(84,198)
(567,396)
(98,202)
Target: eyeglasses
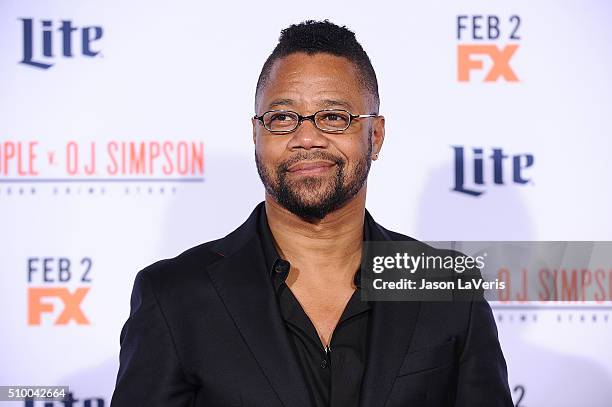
(327,120)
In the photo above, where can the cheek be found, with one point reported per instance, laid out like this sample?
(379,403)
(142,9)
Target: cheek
(269,151)
(353,151)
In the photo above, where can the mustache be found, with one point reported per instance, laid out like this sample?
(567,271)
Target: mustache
(310,156)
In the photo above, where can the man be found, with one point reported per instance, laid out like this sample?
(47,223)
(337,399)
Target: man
(271,314)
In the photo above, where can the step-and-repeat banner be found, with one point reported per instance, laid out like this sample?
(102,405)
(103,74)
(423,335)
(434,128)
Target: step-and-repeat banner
(116,151)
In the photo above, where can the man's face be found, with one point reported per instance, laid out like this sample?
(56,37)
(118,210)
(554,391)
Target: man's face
(309,172)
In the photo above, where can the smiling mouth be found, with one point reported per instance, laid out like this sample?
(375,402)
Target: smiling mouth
(310,167)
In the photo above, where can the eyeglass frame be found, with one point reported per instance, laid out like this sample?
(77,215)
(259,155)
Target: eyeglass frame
(312,119)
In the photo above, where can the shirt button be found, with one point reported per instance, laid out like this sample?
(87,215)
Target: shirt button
(282,266)
(323,363)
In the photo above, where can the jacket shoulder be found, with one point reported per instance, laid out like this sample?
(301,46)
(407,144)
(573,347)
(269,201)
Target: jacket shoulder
(396,236)
(182,269)
(190,266)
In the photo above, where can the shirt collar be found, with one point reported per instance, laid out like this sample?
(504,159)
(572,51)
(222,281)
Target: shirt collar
(279,267)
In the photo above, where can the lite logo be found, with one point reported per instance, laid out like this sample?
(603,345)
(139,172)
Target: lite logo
(474,55)
(518,164)
(70,401)
(51,38)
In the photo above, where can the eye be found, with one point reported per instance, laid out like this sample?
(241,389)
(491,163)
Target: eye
(281,121)
(280,117)
(334,119)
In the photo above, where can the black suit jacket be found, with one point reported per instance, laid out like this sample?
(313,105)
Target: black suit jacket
(205,330)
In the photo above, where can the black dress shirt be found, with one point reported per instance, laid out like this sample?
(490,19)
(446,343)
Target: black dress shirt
(334,374)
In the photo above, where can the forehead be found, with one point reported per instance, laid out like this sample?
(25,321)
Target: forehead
(313,82)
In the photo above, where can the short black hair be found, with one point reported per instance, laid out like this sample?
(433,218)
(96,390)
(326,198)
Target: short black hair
(313,37)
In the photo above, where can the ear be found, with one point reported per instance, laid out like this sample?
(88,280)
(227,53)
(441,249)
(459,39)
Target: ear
(254,123)
(378,135)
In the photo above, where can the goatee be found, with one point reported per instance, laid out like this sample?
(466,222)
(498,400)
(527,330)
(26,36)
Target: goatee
(314,197)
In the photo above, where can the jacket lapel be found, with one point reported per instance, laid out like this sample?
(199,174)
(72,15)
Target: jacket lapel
(392,325)
(244,287)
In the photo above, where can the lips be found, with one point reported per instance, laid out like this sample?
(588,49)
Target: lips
(310,167)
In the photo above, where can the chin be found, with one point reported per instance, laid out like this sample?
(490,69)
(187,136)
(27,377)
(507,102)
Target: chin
(312,185)
(312,197)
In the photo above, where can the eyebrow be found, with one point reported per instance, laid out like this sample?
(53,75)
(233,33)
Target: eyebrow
(333,103)
(326,103)
(281,102)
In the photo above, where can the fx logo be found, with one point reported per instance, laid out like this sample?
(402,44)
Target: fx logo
(42,56)
(71,304)
(500,59)
(482,37)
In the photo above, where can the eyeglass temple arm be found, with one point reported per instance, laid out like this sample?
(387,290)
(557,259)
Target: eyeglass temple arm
(356,116)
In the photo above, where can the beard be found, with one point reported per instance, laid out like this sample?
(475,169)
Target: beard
(313,197)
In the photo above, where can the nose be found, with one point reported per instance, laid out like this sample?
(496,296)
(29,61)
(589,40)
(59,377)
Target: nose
(308,136)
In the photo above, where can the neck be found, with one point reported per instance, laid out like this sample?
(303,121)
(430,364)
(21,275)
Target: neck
(325,251)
